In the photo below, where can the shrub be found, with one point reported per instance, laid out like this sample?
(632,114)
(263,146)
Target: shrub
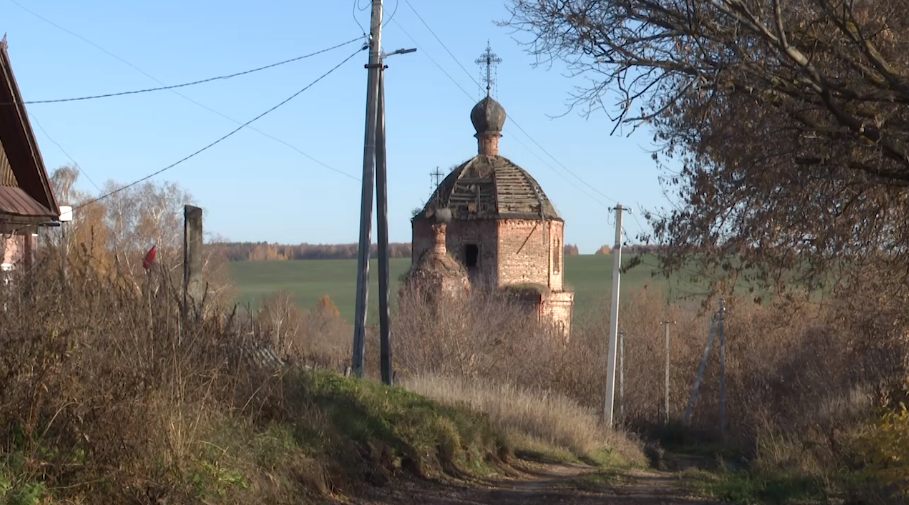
(884,450)
(105,397)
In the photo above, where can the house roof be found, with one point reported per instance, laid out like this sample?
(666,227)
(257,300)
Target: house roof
(26,195)
(491,187)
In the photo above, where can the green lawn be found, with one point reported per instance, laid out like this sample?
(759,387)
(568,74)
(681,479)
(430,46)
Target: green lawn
(589,276)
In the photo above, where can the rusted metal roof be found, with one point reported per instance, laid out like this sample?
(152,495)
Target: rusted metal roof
(491,187)
(16,202)
(21,156)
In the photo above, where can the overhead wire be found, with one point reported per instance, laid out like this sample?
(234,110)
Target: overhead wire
(353,12)
(181,95)
(517,125)
(469,96)
(393,13)
(76,163)
(221,139)
(192,83)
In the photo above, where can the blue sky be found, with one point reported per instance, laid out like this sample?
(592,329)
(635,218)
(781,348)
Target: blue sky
(255,188)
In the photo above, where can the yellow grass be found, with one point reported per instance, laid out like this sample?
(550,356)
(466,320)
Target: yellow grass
(535,421)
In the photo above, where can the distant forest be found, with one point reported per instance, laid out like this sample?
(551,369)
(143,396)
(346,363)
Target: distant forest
(263,251)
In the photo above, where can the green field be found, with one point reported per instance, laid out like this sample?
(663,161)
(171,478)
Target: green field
(589,276)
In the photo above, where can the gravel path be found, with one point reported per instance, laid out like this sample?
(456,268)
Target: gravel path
(539,484)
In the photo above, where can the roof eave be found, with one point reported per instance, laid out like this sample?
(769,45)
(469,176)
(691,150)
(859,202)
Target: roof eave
(6,71)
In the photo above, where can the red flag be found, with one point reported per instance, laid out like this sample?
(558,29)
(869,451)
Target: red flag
(149,258)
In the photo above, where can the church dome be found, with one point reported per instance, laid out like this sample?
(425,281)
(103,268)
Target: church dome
(488,117)
(490,187)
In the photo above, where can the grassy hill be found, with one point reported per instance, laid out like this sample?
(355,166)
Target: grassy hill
(589,276)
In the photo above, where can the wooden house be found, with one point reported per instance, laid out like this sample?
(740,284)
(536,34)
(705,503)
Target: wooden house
(27,201)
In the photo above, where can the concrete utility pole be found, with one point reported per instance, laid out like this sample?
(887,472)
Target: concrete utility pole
(369,158)
(614,317)
(622,376)
(385,354)
(701,367)
(666,385)
(374,158)
(722,331)
(66,216)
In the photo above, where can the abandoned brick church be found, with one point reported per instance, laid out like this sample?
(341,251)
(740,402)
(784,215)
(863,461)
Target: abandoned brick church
(490,223)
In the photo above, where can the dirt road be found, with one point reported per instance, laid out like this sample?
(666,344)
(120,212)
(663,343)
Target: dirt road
(543,484)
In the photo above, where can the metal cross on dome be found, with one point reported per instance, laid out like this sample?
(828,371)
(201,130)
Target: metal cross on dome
(491,60)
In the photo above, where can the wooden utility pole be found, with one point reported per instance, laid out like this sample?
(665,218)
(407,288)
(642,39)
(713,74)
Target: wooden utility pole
(193,285)
(369,158)
(385,353)
(614,318)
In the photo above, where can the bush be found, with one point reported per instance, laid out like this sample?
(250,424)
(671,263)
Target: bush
(105,397)
(884,450)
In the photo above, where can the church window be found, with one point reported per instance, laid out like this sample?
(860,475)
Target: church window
(557,257)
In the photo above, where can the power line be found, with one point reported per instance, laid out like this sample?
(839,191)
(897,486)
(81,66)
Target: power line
(518,140)
(81,170)
(193,83)
(518,126)
(640,226)
(146,74)
(225,137)
(440,42)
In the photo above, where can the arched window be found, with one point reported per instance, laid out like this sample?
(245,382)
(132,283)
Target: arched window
(557,257)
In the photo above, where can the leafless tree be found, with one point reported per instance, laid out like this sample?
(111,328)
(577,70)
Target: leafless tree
(786,123)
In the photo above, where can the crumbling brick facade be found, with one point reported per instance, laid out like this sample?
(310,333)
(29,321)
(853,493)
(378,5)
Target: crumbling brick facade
(508,251)
(471,243)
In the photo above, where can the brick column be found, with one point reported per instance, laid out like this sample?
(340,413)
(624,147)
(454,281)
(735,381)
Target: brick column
(488,144)
(438,235)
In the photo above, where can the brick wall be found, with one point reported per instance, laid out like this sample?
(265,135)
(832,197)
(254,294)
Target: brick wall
(557,307)
(458,235)
(513,251)
(17,250)
(9,250)
(556,255)
(510,252)
(527,252)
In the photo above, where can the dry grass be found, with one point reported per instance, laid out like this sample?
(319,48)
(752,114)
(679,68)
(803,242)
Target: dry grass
(533,420)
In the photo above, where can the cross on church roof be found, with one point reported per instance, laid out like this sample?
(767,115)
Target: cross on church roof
(491,60)
(437,176)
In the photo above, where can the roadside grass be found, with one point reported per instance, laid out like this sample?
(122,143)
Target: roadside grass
(750,488)
(542,426)
(315,435)
(402,430)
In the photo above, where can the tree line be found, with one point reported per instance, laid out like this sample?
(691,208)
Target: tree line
(264,251)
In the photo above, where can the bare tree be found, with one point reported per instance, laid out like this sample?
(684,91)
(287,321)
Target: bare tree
(788,118)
